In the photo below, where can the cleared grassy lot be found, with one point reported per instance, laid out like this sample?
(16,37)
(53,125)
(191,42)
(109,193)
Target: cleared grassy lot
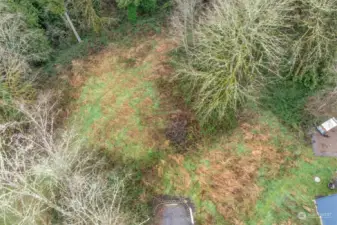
(117,101)
(259,173)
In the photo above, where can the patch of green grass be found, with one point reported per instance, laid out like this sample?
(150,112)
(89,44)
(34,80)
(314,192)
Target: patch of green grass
(190,165)
(211,209)
(284,197)
(293,190)
(112,112)
(242,149)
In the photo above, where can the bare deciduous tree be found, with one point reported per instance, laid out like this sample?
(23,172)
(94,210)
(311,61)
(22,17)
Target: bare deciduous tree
(19,46)
(46,172)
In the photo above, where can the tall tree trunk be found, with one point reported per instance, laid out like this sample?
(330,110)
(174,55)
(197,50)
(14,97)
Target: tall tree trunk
(72,27)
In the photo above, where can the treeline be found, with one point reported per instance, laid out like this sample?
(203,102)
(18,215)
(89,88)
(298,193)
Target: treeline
(48,174)
(32,31)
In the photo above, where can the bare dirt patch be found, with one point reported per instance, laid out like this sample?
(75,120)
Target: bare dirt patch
(323,104)
(176,132)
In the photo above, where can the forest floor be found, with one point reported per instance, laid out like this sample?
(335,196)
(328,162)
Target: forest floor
(259,173)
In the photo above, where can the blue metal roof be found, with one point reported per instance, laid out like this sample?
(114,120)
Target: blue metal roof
(327,209)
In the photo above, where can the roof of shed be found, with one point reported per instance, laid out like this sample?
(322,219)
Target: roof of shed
(327,209)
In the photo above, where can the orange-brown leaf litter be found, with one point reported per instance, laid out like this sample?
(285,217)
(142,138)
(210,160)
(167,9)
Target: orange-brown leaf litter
(117,97)
(221,175)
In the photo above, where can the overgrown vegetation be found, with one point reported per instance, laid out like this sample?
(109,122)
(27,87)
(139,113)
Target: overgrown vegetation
(264,68)
(35,33)
(288,100)
(20,47)
(233,47)
(313,48)
(48,175)
(248,177)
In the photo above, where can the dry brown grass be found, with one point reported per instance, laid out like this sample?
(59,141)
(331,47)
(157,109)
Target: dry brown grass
(229,179)
(121,83)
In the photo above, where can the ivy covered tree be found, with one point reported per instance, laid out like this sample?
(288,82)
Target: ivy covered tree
(51,16)
(135,6)
(22,44)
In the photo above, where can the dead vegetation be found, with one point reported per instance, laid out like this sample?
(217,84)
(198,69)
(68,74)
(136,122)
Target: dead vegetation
(120,70)
(323,104)
(48,173)
(228,179)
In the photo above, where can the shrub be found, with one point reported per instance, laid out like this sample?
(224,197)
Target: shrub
(42,14)
(229,49)
(134,6)
(48,15)
(287,100)
(49,176)
(17,39)
(315,43)
(86,16)
(148,6)
(132,13)
(20,47)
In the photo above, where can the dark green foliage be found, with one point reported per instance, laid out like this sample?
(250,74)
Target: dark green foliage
(49,16)
(64,57)
(45,15)
(148,6)
(132,13)
(97,4)
(135,7)
(314,41)
(287,99)
(37,12)
(7,113)
(21,48)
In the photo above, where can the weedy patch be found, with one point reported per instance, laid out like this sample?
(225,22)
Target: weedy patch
(120,106)
(223,182)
